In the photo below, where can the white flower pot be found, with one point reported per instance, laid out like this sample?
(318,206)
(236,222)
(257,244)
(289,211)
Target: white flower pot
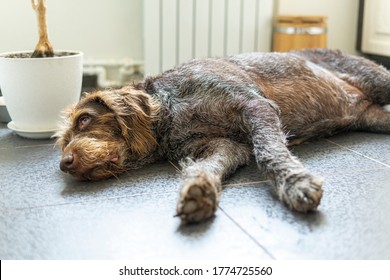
(36,90)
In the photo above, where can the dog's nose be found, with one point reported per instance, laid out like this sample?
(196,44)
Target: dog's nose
(66,162)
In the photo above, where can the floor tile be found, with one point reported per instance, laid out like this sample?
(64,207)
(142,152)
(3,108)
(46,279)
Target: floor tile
(45,214)
(137,227)
(372,145)
(9,139)
(351,221)
(323,158)
(31,178)
(246,175)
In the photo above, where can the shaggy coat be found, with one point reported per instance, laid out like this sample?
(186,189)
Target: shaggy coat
(213,115)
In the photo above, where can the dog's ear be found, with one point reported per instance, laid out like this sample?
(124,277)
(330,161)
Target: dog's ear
(134,111)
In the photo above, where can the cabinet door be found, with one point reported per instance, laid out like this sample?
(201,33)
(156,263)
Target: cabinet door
(376,27)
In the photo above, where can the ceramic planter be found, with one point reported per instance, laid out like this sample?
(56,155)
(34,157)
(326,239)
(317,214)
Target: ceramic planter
(36,90)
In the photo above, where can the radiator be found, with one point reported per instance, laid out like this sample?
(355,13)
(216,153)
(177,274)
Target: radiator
(176,31)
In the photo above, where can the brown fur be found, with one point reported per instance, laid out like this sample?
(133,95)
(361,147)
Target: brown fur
(213,115)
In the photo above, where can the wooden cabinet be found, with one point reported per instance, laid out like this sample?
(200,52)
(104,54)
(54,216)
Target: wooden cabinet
(299,32)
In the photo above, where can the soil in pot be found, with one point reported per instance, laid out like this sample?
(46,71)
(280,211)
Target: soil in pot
(29,54)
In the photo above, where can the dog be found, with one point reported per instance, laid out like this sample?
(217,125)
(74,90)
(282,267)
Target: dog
(213,115)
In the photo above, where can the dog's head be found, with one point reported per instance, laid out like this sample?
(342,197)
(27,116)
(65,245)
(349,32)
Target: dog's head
(104,131)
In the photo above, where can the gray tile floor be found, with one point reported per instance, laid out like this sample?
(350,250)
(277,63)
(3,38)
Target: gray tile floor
(46,215)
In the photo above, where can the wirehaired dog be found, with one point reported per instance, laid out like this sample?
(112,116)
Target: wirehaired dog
(213,115)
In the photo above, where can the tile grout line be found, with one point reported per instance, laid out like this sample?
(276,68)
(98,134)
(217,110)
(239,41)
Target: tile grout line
(245,183)
(226,185)
(360,154)
(30,146)
(174,165)
(354,171)
(37,145)
(249,235)
(231,219)
(8,209)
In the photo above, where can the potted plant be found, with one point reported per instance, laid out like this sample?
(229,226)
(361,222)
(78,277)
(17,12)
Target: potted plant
(37,85)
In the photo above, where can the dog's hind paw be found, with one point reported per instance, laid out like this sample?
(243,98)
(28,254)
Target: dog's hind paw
(302,192)
(198,200)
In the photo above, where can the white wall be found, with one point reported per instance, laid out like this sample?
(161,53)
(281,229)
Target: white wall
(342,18)
(112,29)
(102,29)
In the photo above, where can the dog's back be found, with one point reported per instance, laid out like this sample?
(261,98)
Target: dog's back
(313,101)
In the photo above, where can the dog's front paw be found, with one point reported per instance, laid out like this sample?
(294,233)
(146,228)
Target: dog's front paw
(302,191)
(198,199)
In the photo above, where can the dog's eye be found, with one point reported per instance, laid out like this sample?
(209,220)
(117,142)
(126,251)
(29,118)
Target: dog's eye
(84,121)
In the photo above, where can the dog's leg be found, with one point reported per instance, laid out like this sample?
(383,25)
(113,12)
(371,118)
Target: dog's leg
(375,119)
(294,185)
(209,163)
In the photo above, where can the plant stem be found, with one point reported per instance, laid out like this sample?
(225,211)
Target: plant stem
(44,47)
